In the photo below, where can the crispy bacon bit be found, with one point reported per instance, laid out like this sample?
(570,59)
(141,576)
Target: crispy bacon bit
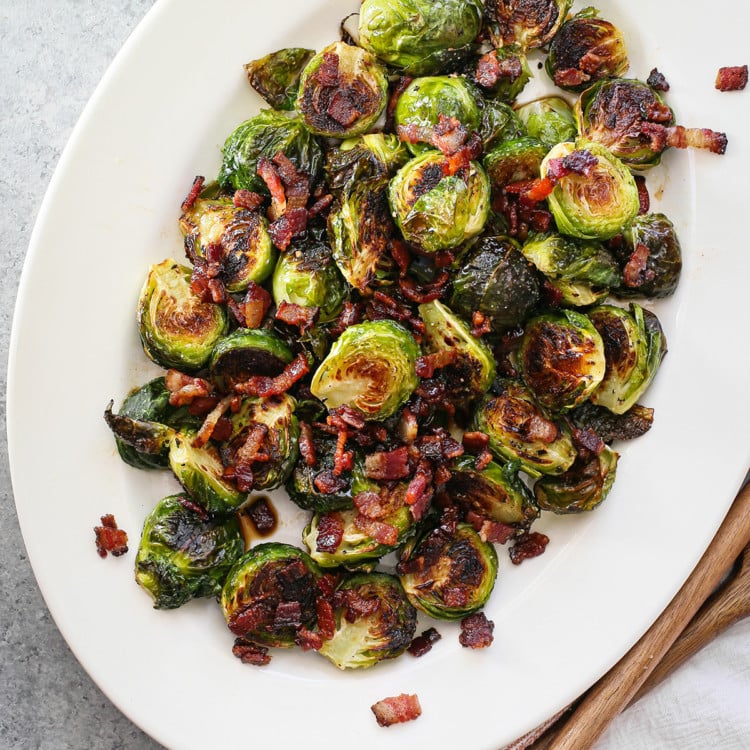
(200,406)
(356,605)
(483,460)
(397,709)
(343,460)
(381,532)
(408,426)
(210,422)
(570,77)
(644,199)
(110,539)
(490,69)
(301,316)
(192,196)
(345,416)
(287,615)
(247,199)
(424,642)
(296,182)
(251,653)
(325,617)
(184,389)
(529,545)
(351,313)
(461,159)
(732,78)
(388,465)
(586,438)
(191,505)
(491,531)
(330,532)
(270,175)
(264,386)
(253,308)
(248,454)
(476,631)
(420,490)
(657,81)
(262,516)
(679,137)
(425,292)
(401,255)
(308,640)
(327,483)
(636,272)
(306,444)
(480,324)
(290,225)
(475,441)
(320,205)
(428,363)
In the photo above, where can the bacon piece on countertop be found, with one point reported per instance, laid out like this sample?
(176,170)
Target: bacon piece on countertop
(731,78)
(109,538)
(476,631)
(396,709)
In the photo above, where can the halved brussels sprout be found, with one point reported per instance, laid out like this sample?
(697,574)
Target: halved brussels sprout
(514,160)
(425,99)
(496,491)
(586,49)
(366,157)
(449,574)
(549,119)
(496,280)
(561,359)
(371,368)
(501,73)
(636,421)
(419,37)
(360,230)
(146,438)
(184,554)
(269,593)
(526,23)
(597,205)
(307,275)
(499,123)
(521,430)
(246,352)
(473,370)
(342,91)
(435,211)
(582,271)
(177,328)
(265,135)
(276,76)
(633,353)
(247,252)
(382,629)
(582,487)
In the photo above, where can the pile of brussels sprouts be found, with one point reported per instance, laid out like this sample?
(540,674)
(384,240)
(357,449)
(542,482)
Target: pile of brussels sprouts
(460,362)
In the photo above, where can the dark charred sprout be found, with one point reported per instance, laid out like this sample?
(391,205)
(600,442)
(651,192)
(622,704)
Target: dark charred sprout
(549,119)
(184,553)
(371,368)
(450,573)
(276,76)
(586,49)
(497,281)
(636,421)
(514,160)
(342,91)
(420,37)
(526,23)
(178,329)
(374,621)
(147,440)
(561,359)
(366,157)
(270,593)
(520,430)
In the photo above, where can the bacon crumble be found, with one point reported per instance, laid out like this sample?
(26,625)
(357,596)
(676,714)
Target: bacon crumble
(109,538)
(731,78)
(396,709)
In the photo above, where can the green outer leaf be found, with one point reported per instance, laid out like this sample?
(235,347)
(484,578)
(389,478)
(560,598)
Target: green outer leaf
(276,75)
(549,119)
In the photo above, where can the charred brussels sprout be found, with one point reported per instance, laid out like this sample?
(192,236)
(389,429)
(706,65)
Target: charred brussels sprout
(499,123)
(147,439)
(367,157)
(501,73)
(450,573)
(371,367)
(586,49)
(269,593)
(656,274)
(526,23)
(582,487)
(342,91)
(247,253)
(514,160)
(597,205)
(496,280)
(425,99)
(561,359)
(435,211)
(307,275)
(276,76)
(472,370)
(635,422)
(419,37)
(177,328)
(382,628)
(184,554)
(521,430)
(633,349)
(549,119)
(265,135)
(495,492)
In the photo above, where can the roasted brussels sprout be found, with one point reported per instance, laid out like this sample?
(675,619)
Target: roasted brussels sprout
(495,492)
(581,271)
(246,250)
(561,359)
(472,370)
(597,205)
(549,119)
(342,91)
(265,135)
(521,430)
(633,353)
(307,275)
(499,123)
(184,553)
(496,280)
(586,49)
(582,487)
(526,23)
(147,438)
(652,257)
(269,593)
(380,626)
(450,573)
(425,99)
(360,229)
(633,423)
(276,76)
(371,368)
(514,160)
(177,328)
(435,211)
(501,73)
(419,37)
(366,157)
